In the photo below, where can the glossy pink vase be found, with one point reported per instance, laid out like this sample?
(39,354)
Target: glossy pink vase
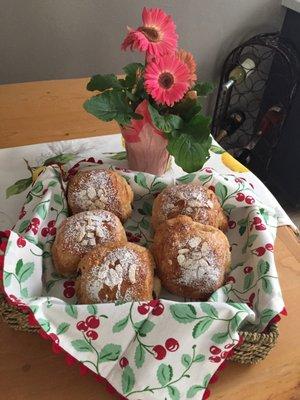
(145,144)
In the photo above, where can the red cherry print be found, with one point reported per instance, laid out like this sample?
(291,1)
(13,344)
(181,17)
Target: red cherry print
(252,297)
(259,251)
(93,335)
(215,359)
(143,308)
(35,221)
(229,345)
(21,242)
(215,350)
(276,319)
(224,354)
(207,393)
(53,231)
(69,283)
(3,246)
(51,223)
(260,227)
(123,362)
(160,352)
(82,326)
(256,220)
(249,200)
(212,188)
(230,279)
(92,322)
(54,337)
(34,230)
(99,162)
(247,270)
(231,224)
(209,170)
(240,196)
(158,310)
(172,344)
(69,292)
(269,246)
(153,303)
(238,180)
(45,232)
(284,311)
(91,159)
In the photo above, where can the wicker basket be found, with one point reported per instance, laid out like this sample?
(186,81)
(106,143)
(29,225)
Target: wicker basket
(255,347)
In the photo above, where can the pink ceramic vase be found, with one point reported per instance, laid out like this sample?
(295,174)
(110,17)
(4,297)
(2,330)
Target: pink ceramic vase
(145,144)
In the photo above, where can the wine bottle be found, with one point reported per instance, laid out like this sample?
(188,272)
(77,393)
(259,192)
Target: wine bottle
(231,123)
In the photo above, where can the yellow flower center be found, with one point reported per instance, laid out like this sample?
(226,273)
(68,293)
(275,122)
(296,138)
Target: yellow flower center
(166,80)
(151,33)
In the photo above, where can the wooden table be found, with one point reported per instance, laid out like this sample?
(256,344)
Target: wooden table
(52,110)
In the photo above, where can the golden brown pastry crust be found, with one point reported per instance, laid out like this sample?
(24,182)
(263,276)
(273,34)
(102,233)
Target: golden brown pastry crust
(193,200)
(191,258)
(100,189)
(81,232)
(115,273)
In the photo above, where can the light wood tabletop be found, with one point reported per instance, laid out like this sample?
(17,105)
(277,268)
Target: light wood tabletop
(52,110)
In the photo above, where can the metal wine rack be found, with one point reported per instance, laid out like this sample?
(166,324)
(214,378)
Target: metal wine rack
(276,64)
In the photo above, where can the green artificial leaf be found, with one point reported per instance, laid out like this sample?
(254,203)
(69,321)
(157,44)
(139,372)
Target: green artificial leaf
(24,271)
(220,337)
(199,358)
(103,82)
(266,285)
(81,345)
(190,144)
(41,210)
(186,360)
(37,188)
(62,328)
(128,380)
(221,191)
(183,313)
(44,324)
(206,380)
(18,187)
(139,356)
(144,327)
(173,393)
(7,278)
(235,322)
(120,325)
(145,224)
(122,155)
(24,292)
(71,310)
(59,159)
(164,374)
(203,88)
(248,280)
(110,352)
(131,71)
(57,199)
(186,178)
(216,149)
(165,123)
(209,310)
(140,179)
(266,315)
(158,186)
(110,105)
(201,327)
(263,268)
(92,309)
(193,390)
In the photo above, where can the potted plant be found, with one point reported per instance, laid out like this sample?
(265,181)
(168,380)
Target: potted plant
(157,104)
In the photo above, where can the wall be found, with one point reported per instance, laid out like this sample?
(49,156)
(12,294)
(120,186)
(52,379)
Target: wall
(54,39)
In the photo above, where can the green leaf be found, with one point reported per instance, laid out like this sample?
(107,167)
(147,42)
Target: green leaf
(251,240)
(25,271)
(7,278)
(62,328)
(173,393)
(186,178)
(24,292)
(44,324)
(220,337)
(122,155)
(216,149)
(19,265)
(190,144)
(206,380)
(203,88)
(239,306)
(128,380)
(110,352)
(248,280)
(41,210)
(29,198)
(235,322)
(144,327)
(164,374)
(92,309)
(145,224)
(209,310)
(204,178)
(108,106)
(228,208)
(158,186)
(165,123)
(18,187)
(183,313)
(147,208)
(263,268)
(52,183)
(266,315)
(139,356)
(242,229)
(81,345)
(193,390)
(103,82)
(199,358)
(186,359)
(140,179)
(59,159)
(266,285)
(37,188)
(71,310)
(201,327)
(57,199)
(221,191)
(264,214)
(120,325)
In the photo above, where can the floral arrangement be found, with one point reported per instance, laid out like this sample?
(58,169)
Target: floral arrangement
(158,101)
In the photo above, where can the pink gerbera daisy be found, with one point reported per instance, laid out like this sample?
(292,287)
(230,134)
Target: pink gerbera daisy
(157,35)
(167,79)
